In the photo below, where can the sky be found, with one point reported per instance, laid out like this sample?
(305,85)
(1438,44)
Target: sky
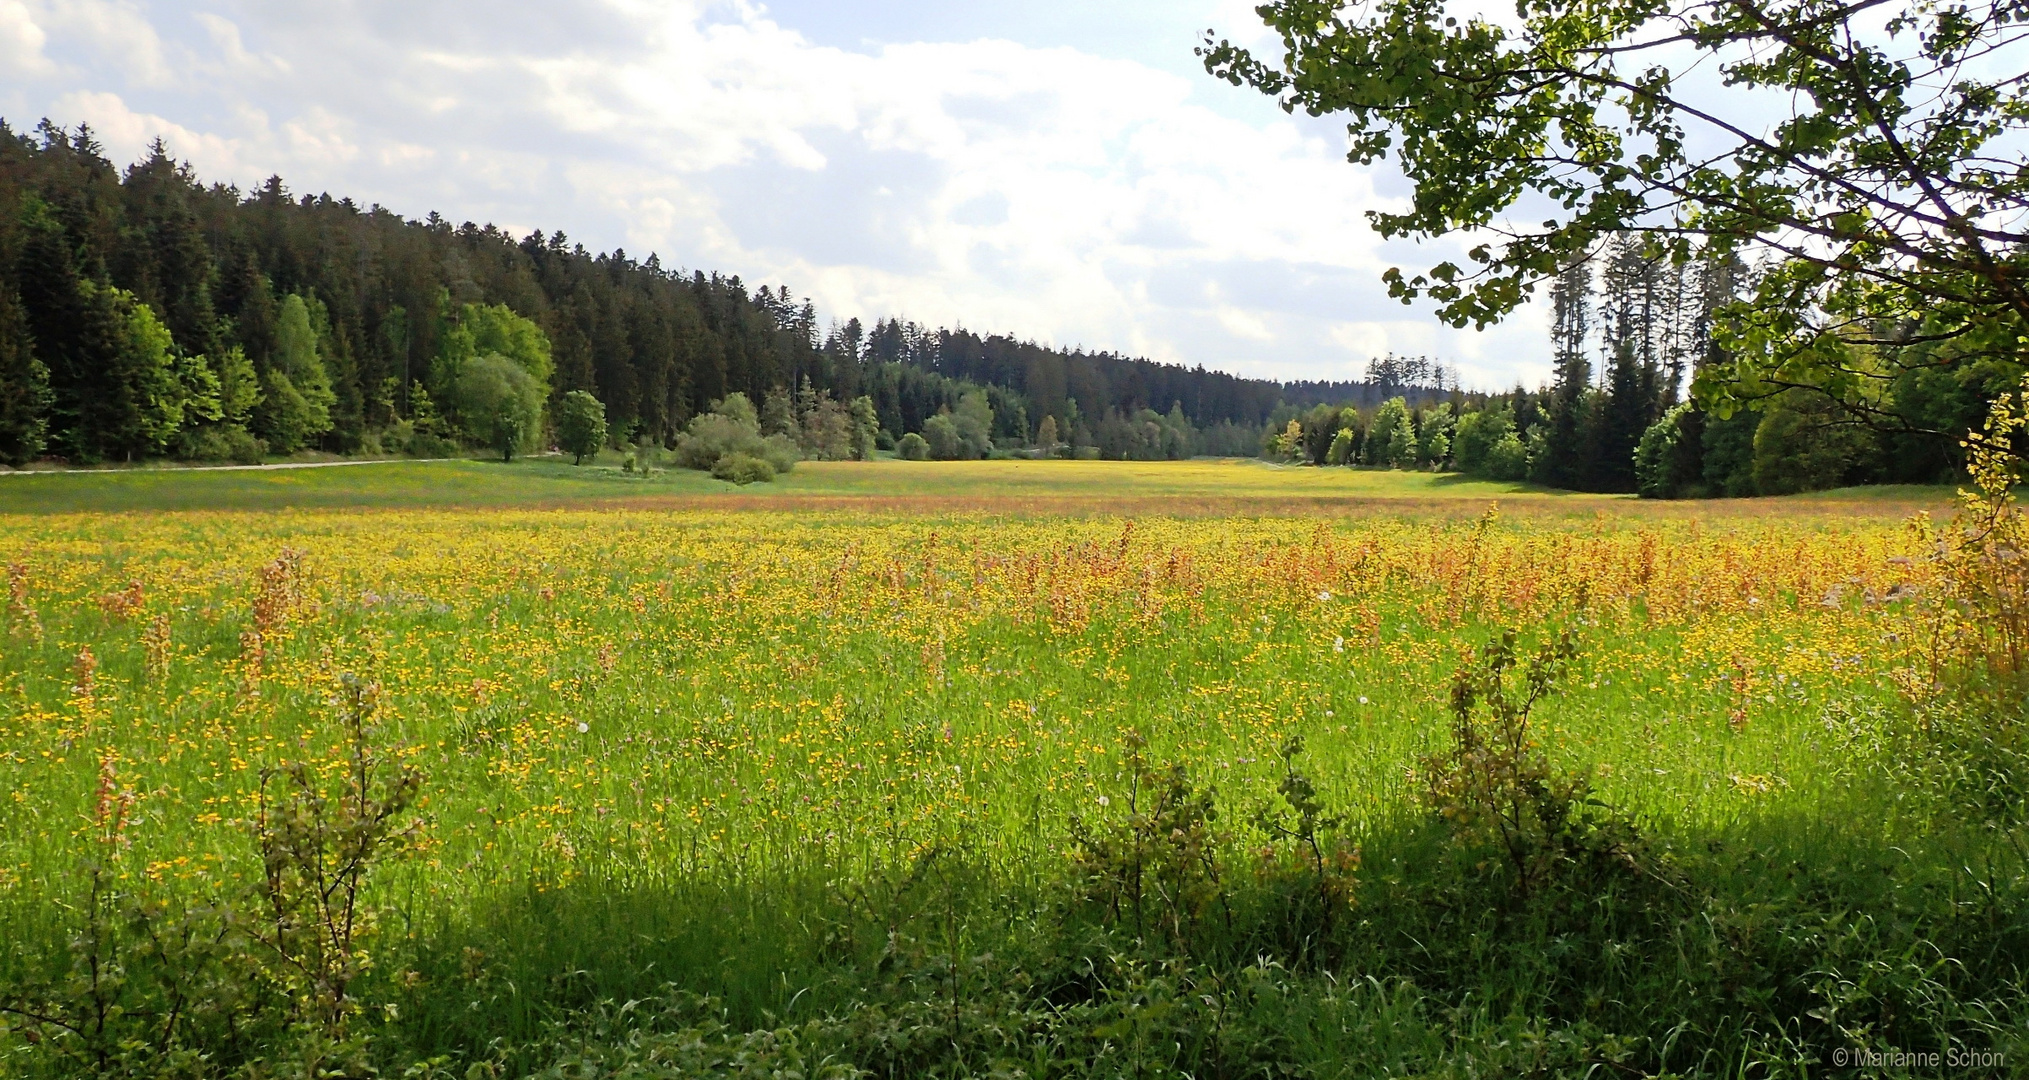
(1062,170)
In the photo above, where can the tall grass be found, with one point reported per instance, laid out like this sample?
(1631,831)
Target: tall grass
(813,789)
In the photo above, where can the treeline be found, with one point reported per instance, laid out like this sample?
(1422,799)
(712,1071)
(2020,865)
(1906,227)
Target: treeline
(1623,424)
(1656,323)
(144,313)
(1039,400)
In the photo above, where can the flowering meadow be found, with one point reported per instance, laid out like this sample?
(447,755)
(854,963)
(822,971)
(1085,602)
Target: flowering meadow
(608,711)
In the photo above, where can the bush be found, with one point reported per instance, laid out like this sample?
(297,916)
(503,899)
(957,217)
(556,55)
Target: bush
(743,469)
(1498,793)
(732,428)
(942,435)
(225,442)
(1507,460)
(912,447)
(424,444)
(1152,865)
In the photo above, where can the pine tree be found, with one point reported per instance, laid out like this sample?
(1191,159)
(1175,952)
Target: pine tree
(1625,413)
(56,317)
(1561,461)
(24,385)
(169,265)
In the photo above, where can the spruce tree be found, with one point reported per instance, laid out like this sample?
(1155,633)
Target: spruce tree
(1561,458)
(168,264)
(24,385)
(54,310)
(132,400)
(1624,415)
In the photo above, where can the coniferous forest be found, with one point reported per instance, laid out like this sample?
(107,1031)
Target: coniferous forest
(145,313)
(1630,330)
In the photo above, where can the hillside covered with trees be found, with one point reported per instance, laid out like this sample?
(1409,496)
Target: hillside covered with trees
(144,313)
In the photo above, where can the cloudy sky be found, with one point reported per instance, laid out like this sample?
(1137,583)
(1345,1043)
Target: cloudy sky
(1059,169)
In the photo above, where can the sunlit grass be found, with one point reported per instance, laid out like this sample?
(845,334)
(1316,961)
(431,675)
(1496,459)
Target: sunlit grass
(1217,487)
(666,730)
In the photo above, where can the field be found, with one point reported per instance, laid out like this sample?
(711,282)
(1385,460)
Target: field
(838,774)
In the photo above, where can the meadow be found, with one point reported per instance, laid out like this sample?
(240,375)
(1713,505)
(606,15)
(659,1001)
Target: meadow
(1012,768)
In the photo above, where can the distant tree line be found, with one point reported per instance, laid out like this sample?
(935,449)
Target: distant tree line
(1629,329)
(144,313)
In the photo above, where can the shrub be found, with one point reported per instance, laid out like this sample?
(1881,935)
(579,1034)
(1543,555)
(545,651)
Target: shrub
(319,846)
(225,442)
(912,447)
(1508,459)
(732,428)
(269,973)
(1318,872)
(1152,863)
(741,468)
(1969,740)
(424,444)
(942,435)
(1500,795)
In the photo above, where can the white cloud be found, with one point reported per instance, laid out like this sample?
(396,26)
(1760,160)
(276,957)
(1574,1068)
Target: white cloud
(21,41)
(232,50)
(116,31)
(1048,192)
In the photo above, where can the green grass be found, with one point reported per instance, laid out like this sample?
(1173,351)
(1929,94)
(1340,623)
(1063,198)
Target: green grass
(1219,485)
(800,780)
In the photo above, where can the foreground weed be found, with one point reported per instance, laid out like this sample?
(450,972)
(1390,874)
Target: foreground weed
(1153,865)
(1496,788)
(318,848)
(1325,865)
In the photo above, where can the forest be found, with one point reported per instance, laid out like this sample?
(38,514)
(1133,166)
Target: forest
(146,314)
(1631,328)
